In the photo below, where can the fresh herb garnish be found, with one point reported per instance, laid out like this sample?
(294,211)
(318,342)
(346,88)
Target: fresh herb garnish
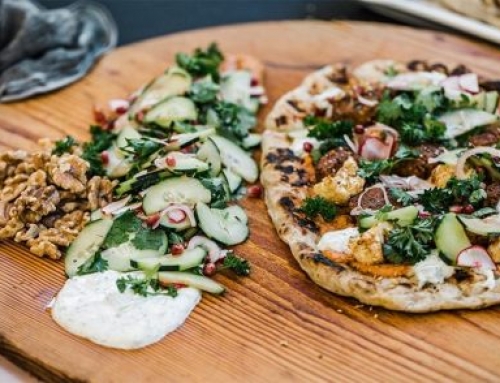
(202,62)
(148,286)
(402,196)
(234,121)
(140,151)
(203,92)
(371,170)
(101,140)
(123,227)
(314,206)
(411,243)
(323,130)
(64,146)
(218,191)
(239,266)
(98,265)
(146,238)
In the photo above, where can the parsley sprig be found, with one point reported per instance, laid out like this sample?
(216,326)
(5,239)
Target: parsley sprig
(239,266)
(101,140)
(202,62)
(64,146)
(317,205)
(147,286)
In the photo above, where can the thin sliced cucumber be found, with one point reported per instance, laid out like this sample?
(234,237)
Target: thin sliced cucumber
(83,249)
(174,82)
(183,140)
(223,225)
(235,88)
(236,159)
(491,102)
(233,180)
(252,140)
(191,280)
(187,260)
(142,182)
(170,110)
(487,226)
(451,238)
(175,190)
(119,257)
(462,121)
(127,133)
(118,164)
(185,163)
(96,215)
(210,154)
(404,217)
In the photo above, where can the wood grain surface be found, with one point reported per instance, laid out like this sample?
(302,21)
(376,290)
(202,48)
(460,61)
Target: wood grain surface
(276,326)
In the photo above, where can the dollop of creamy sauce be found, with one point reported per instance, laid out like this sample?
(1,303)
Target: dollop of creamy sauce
(432,270)
(337,241)
(92,307)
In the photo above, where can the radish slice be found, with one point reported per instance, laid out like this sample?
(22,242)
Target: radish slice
(117,205)
(469,83)
(118,104)
(477,257)
(460,170)
(375,149)
(214,251)
(366,101)
(177,213)
(256,91)
(415,80)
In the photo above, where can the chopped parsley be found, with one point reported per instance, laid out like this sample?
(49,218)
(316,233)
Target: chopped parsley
(123,227)
(314,206)
(203,92)
(97,265)
(412,243)
(144,286)
(101,140)
(64,146)
(239,266)
(147,238)
(140,151)
(202,62)
(323,130)
(371,170)
(401,196)
(234,121)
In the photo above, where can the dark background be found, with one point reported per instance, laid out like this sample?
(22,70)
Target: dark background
(140,19)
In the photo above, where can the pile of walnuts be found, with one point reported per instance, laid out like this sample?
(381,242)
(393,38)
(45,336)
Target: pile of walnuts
(46,199)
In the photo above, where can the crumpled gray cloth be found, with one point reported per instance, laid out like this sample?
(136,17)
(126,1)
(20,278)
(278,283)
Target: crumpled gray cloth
(42,50)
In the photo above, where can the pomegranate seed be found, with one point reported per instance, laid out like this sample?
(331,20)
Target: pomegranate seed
(468,209)
(254,82)
(254,191)
(151,220)
(307,146)
(209,269)
(456,209)
(105,157)
(359,129)
(139,116)
(121,110)
(179,285)
(99,116)
(177,249)
(170,161)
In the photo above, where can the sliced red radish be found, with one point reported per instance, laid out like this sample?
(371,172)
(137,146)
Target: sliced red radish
(214,251)
(176,215)
(117,205)
(477,257)
(256,91)
(133,206)
(119,105)
(469,83)
(375,149)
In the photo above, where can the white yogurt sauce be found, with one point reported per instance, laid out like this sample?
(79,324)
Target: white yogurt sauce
(432,270)
(337,241)
(91,306)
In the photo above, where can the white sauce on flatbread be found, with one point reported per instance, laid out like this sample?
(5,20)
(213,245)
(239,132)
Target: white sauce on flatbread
(432,270)
(337,241)
(91,306)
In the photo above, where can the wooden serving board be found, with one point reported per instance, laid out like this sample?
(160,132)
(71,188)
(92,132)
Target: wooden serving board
(276,326)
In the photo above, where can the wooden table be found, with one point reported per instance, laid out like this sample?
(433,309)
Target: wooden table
(275,326)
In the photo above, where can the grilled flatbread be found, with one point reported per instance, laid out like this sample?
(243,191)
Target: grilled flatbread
(382,180)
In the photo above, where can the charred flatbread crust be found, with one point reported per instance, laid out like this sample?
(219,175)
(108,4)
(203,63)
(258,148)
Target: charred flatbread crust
(464,290)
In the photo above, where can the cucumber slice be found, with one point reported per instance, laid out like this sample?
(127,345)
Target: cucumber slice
(183,140)
(236,159)
(451,237)
(235,88)
(191,280)
(175,190)
(491,102)
(404,217)
(186,163)
(175,82)
(96,215)
(142,182)
(85,246)
(233,180)
(464,120)
(127,133)
(187,260)
(252,140)
(223,225)
(238,213)
(170,110)
(210,154)
(487,226)
(480,100)
(119,257)
(118,165)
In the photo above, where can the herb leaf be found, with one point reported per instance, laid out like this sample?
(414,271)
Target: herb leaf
(98,265)
(235,121)
(202,62)
(402,196)
(146,238)
(323,130)
(64,146)
(204,91)
(101,140)
(148,286)
(123,227)
(314,206)
(240,266)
